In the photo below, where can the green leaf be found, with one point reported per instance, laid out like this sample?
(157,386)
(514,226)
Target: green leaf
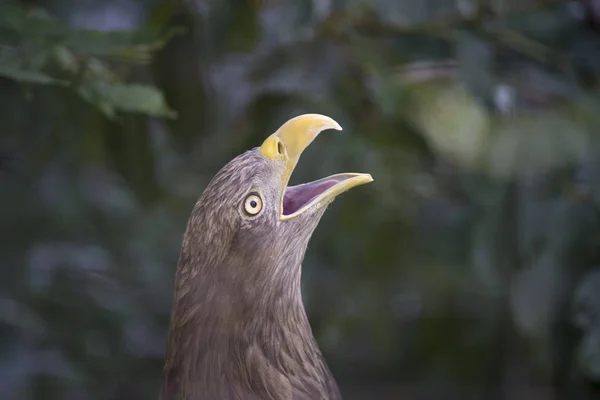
(127,97)
(29,76)
(43,31)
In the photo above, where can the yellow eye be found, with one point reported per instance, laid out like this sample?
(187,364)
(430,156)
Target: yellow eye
(253,204)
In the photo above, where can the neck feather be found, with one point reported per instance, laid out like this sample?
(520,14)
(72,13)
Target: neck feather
(233,340)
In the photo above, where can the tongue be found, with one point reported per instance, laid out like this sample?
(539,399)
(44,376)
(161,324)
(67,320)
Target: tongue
(297,196)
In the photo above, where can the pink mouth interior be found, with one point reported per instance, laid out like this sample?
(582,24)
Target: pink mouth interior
(296,197)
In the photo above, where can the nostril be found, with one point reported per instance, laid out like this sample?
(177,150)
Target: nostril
(280,148)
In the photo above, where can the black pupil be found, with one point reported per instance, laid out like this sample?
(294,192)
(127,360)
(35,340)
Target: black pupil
(253,204)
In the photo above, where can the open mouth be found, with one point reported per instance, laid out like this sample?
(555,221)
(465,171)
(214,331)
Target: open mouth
(287,144)
(299,198)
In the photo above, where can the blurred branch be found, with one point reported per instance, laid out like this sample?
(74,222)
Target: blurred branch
(424,71)
(534,50)
(482,21)
(370,25)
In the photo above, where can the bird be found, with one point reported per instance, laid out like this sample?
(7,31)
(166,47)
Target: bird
(238,328)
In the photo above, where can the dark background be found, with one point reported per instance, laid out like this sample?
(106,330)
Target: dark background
(467,270)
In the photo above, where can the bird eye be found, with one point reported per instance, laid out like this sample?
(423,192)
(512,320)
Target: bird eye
(253,204)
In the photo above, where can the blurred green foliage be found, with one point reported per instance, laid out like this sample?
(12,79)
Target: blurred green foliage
(466,269)
(38,49)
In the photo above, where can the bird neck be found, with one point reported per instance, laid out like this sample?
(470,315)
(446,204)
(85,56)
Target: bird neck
(232,341)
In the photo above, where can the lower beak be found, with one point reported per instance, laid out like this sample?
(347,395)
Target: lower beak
(288,143)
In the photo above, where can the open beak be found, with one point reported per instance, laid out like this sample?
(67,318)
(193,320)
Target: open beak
(287,144)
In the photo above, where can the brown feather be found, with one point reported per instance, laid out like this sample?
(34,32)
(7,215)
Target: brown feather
(238,327)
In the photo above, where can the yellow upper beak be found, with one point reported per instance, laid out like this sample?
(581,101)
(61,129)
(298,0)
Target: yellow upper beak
(288,143)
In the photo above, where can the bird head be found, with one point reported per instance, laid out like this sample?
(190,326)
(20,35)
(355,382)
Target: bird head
(248,224)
